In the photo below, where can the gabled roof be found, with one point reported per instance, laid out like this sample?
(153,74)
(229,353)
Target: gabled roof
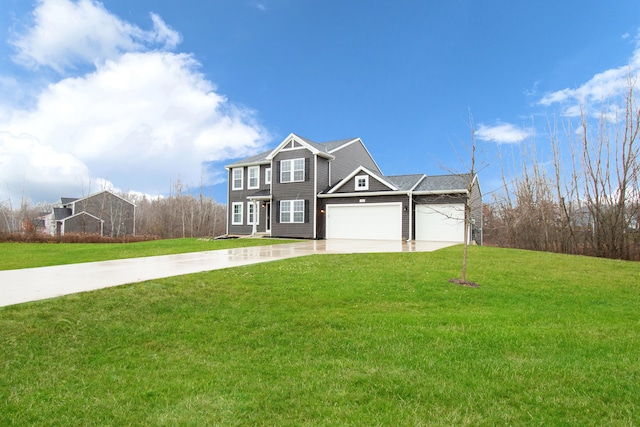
(314,147)
(383,180)
(323,148)
(83,213)
(457,183)
(67,200)
(104,191)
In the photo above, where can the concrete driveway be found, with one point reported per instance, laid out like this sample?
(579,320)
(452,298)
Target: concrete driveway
(32,284)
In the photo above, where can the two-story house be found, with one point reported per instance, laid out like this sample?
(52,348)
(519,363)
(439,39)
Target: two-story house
(102,213)
(335,190)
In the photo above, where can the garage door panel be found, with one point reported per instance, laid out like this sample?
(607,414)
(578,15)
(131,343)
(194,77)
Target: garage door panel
(374,221)
(440,223)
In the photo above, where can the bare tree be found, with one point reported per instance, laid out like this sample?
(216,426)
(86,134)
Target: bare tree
(588,203)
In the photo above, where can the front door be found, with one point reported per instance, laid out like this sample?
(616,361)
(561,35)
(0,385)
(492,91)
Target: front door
(267,227)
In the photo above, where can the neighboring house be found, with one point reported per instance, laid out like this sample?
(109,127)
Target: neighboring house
(102,213)
(335,190)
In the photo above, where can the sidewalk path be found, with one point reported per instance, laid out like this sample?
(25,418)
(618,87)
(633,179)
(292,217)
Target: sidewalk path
(32,284)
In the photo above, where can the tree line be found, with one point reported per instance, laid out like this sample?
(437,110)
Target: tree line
(584,198)
(181,214)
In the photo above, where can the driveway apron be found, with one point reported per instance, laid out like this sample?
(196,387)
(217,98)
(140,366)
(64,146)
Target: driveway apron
(32,284)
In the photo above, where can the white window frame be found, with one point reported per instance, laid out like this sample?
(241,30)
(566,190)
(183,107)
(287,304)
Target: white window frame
(255,171)
(292,211)
(267,176)
(234,171)
(366,183)
(292,170)
(234,219)
(250,214)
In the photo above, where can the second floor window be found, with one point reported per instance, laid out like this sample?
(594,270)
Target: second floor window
(254,177)
(267,176)
(237,178)
(292,170)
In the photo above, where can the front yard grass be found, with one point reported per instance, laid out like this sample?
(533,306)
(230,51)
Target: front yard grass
(25,255)
(362,339)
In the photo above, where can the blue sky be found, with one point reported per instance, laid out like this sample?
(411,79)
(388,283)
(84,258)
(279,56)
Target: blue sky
(135,94)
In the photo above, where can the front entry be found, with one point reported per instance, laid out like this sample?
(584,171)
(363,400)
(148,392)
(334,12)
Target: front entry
(267,227)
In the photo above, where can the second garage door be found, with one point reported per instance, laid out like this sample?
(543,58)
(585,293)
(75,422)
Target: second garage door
(374,221)
(444,222)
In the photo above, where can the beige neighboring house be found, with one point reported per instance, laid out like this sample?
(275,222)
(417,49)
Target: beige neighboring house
(101,213)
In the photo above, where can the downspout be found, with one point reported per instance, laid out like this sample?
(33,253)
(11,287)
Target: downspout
(315,197)
(410,216)
(227,220)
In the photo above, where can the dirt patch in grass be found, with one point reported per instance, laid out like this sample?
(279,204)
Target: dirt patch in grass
(465,283)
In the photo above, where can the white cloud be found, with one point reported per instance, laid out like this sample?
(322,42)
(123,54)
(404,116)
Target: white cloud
(601,87)
(65,34)
(140,119)
(503,133)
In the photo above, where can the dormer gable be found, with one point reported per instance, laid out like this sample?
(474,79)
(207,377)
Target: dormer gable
(362,179)
(295,142)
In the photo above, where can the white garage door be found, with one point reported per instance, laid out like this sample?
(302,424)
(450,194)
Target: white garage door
(375,221)
(440,223)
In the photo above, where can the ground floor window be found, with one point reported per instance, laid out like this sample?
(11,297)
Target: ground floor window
(236,218)
(292,211)
(251,214)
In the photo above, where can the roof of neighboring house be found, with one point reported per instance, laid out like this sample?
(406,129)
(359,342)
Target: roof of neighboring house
(67,200)
(61,213)
(457,183)
(83,213)
(105,191)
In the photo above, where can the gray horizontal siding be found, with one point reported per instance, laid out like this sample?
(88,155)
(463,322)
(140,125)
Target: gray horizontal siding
(241,196)
(303,190)
(349,158)
(118,214)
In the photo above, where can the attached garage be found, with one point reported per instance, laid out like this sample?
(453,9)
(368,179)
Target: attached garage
(440,222)
(373,221)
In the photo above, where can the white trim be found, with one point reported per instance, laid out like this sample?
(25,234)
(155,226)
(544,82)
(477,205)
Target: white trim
(362,194)
(304,144)
(233,214)
(428,192)
(233,178)
(256,215)
(257,177)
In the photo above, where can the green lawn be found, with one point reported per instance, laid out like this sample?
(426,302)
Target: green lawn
(363,339)
(24,255)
